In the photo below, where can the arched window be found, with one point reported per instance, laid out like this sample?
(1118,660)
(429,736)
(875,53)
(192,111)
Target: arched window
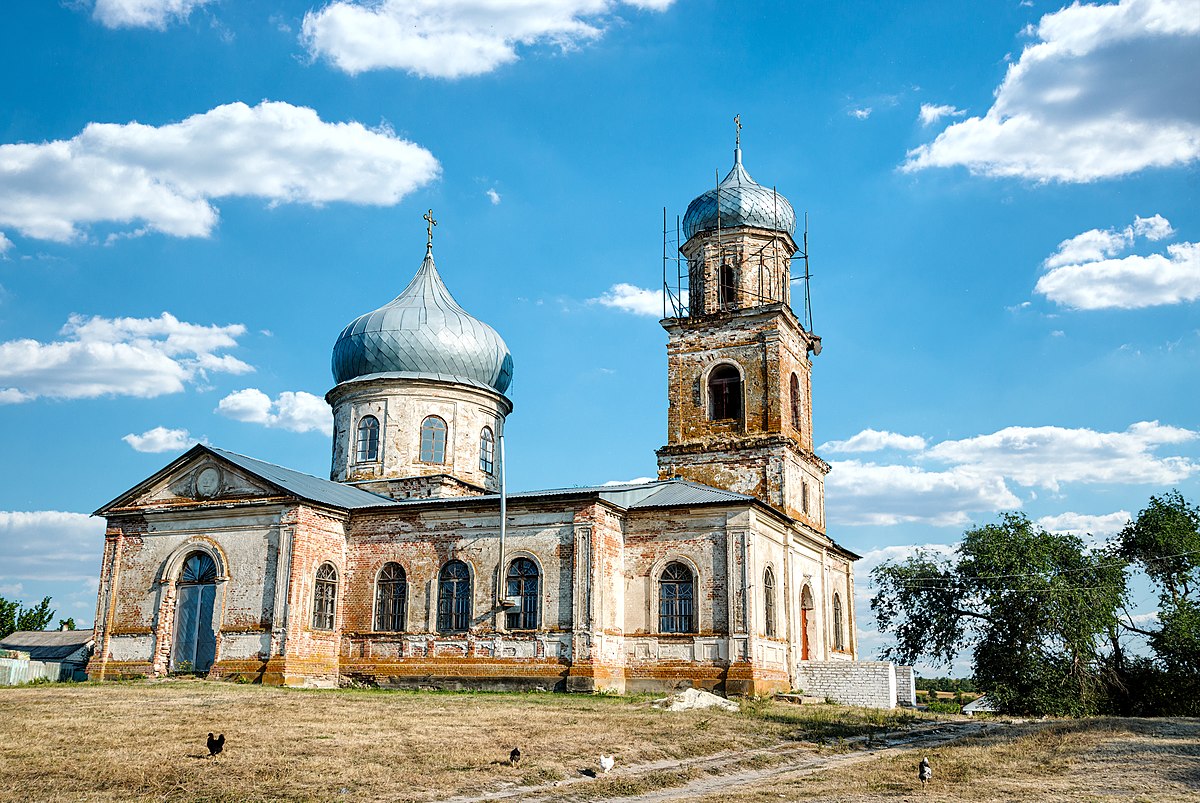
(433,440)
(522,585)
(195,646)
(325,597)
(676,596)
(839,642)
(769,601)
(796,407)
(724,393)
(454,598)
(368,438)
(487,451)
(728,286)
(806,619)
(391,593)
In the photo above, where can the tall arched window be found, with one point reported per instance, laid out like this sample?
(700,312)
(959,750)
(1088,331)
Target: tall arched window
(797,411)
(391,593)
(728,286)
(839,642)
(433,440)
(325,597)
(522,585)
(487,451)
(454,598)
(368,438)
(195,637)
(769,601)
(676,597)
(724,393)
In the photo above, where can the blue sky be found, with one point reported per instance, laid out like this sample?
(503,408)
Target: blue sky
(195,197)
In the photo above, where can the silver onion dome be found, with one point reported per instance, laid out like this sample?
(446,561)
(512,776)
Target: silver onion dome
(423,332)
(739,201)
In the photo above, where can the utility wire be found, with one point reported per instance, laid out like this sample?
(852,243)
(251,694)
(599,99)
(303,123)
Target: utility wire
(1063,571)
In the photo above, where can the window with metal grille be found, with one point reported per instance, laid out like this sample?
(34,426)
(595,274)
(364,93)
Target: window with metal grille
(724,393)
(368,438)
(522,585)
(454,598)
(769,601)
(676,598)
(487,451)
(325,597)
(391,593)
(839,642)
(796,408)
(433,440)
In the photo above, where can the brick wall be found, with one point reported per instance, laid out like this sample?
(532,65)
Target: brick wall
(906,686)
(867,683)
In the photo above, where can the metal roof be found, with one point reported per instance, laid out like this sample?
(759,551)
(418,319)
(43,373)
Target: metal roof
(47,645)
(739,201)
(423,330)
(305,486)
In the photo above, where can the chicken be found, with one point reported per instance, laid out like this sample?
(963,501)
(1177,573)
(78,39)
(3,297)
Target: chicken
(607,762)
(514,758)
(216,745)
(924,771)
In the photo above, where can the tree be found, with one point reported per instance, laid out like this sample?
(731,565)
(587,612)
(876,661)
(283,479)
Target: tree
(1164,541)
(13,617)
(1034,607)
(67,624)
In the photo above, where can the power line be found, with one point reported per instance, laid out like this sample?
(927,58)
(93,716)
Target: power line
(1063,571)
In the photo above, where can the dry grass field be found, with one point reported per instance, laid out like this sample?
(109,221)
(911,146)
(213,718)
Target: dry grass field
(145,742)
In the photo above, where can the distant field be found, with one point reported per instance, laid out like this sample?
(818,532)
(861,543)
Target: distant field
(144,741)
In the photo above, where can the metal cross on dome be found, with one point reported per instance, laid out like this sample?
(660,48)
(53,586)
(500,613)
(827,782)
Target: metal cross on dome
(737,121)
(428,216)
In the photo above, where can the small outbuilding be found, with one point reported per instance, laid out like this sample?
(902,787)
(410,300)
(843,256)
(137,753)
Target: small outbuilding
(51,654)
(980,705)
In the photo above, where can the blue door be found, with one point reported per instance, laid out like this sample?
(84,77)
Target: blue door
(195,637)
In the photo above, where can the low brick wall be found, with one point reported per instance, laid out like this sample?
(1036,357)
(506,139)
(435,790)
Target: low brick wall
(867,683)
(906,686)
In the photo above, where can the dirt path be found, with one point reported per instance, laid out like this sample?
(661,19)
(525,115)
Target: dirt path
(732,769)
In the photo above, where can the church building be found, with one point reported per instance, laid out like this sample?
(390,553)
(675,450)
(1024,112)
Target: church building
(412,567)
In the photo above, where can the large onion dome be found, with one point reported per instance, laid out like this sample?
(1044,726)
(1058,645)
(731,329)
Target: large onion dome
(739,201)
(423,331)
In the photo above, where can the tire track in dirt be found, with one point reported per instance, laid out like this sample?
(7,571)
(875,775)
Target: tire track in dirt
(728,768)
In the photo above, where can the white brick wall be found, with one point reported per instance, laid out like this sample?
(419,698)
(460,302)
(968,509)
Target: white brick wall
(867,683)
(906,686)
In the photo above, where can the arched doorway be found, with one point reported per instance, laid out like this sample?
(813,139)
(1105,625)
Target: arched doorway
(195,646)
(806,617)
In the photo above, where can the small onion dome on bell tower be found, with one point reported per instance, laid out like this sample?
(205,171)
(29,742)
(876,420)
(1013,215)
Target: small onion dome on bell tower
(739,201)
(423,331)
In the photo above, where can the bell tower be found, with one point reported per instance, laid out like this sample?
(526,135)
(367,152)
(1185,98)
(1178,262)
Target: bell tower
(739,373)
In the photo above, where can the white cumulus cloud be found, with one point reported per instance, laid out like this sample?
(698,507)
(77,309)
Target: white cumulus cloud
(1105,90)
(161,439)
(141,357)
(143,13)
(296,411)
(5,244)
(930,113)
(871,493)
(1101,526)
(163,178)
(873,440)
(494,197)
(1085,272)
(860,114)
(451,38)
(1046,457)
(630,298)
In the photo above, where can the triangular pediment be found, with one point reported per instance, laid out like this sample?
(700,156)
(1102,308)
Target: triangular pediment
(199,477)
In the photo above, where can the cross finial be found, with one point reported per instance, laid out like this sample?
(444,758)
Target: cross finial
(428,216)
(737,121)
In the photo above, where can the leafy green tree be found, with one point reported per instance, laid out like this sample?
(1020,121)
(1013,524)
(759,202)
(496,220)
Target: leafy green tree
(1164,541)
(13,617)
(1034,608)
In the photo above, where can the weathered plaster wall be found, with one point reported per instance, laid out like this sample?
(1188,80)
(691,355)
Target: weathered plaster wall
(401,405)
